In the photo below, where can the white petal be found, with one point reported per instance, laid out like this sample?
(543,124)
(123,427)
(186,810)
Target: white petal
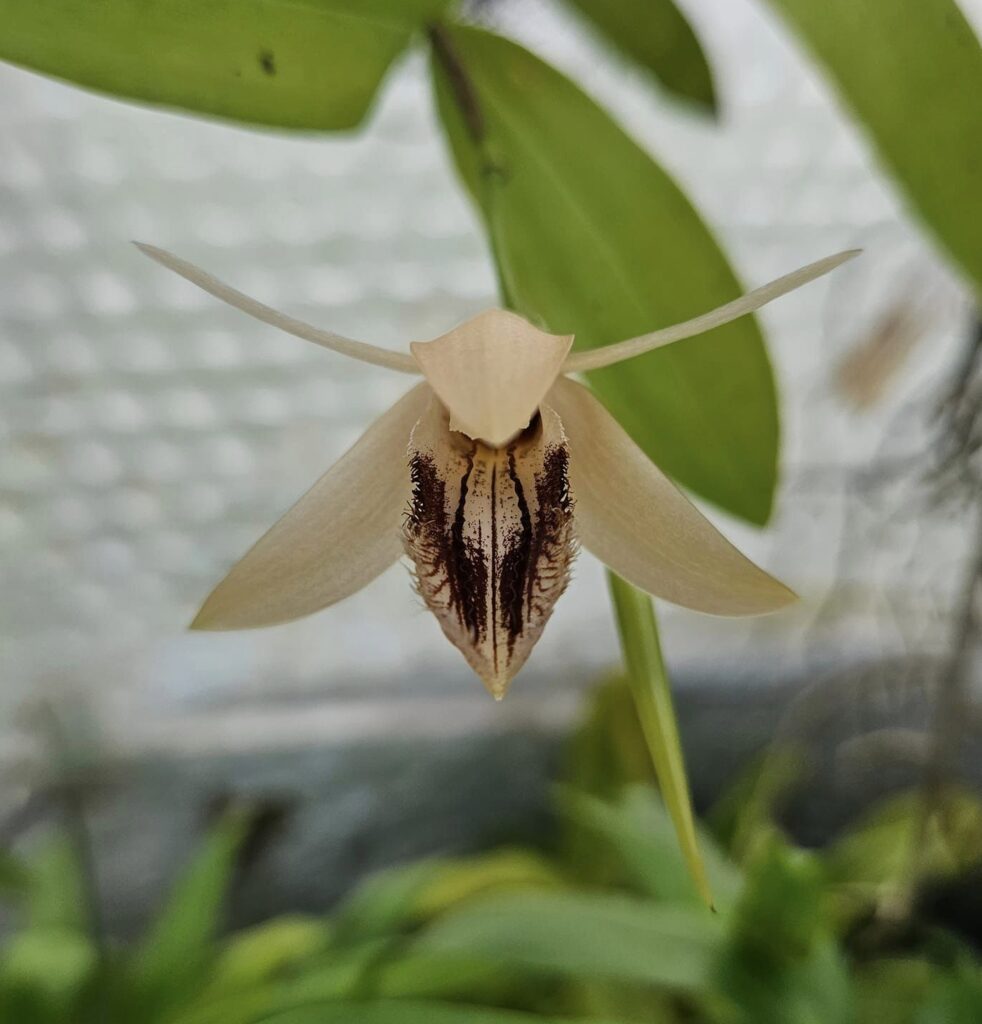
(490,534)
(610,354)
(491,373)
(401,361)
(337,538)
(632,517)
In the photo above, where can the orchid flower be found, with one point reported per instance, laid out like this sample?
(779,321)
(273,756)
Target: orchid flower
(488,474)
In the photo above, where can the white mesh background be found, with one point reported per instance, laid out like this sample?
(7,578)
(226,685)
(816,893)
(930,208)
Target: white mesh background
(149,434)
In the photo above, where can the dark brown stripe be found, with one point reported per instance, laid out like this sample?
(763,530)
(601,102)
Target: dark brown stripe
(515,563)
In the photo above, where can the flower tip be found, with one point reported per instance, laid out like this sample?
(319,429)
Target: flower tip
(199,624)
(497,686)
(784,598)
(207,621)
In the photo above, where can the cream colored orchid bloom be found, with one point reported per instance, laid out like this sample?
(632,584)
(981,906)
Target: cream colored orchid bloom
(487,474)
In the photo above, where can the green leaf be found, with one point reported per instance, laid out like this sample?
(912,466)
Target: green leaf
(465,878)
(641,832)
(385,902)
(743,819)
(15,878)
(889,990)
(180,948)
(415,1013)
(592,237)
(875,860)
(778,919)
(652,692)
(656,34)
(579,936)
(953,1000)
(912,74)
(309,64)
(814,990)
(608,750)
(431,975)
(45,968)
(57,896)
(781,965)
(266,951)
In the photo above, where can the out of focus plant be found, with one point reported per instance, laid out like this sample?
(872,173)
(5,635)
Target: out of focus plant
(587,232)
(602,924)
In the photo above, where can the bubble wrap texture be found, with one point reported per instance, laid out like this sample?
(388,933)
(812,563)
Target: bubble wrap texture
(150,434)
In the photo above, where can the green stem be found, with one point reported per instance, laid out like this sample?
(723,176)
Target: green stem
(638,628)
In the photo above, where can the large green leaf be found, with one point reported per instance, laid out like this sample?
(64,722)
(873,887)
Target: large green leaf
(585,936)
(312,64)
(657,35)
(912,72)
(593,237)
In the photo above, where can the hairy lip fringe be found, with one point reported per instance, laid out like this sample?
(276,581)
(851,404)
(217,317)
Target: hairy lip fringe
(488,474)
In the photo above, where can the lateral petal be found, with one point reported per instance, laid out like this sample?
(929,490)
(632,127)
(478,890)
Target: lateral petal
(491,373)
(336,539)
(632,517)
(490,534)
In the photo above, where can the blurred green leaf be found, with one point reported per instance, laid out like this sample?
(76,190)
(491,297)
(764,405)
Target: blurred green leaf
(639,829)
(743,819)
(57,898)
(415,1013)
(778,918)
(181,945)
(384,902)
(357,977)
(656,34)
(333,977)
(408,894)
(814,989)
(953,1000)
(889,991)
(912,73)
(429,975)
(591,236)
(267,951)
(42,973)
(465,878)
(635,612)
(608,751)
(782,965)
(309,64)
(876,857)
(584,936)
(15,878)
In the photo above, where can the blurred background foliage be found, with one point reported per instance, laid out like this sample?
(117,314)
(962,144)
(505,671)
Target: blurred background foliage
(600,922)
(590,234)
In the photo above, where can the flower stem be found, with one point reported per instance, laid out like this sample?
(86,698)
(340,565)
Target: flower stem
(638,629)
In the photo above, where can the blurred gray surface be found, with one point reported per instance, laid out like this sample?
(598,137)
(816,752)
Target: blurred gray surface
(335,812)
(150,434)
